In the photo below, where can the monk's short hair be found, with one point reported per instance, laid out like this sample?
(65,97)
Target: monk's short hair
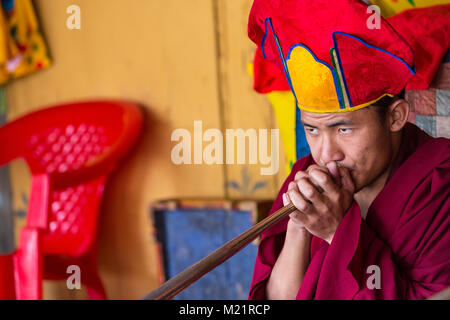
(382,105)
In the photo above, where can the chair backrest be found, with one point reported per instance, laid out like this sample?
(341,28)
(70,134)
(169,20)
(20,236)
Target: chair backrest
(76,146)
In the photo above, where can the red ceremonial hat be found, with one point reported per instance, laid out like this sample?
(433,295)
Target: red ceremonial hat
(334,58)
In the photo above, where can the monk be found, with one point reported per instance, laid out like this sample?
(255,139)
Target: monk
(373,196)
(375,191)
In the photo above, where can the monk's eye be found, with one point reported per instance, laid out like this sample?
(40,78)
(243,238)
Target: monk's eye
(313,131)
(345,130)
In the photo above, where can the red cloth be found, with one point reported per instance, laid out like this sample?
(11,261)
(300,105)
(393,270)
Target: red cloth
(267,77)
(364,66)
(405,233)
(312,23)
(427,31)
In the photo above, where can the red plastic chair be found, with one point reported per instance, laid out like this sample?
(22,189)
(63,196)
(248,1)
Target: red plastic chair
(70,150)
(7,290)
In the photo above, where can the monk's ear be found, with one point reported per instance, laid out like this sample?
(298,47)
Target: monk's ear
(398,115)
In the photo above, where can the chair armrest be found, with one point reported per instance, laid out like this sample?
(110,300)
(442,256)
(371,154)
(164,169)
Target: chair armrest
(39,204)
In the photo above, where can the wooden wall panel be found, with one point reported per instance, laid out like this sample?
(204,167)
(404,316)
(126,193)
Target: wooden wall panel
(160,54)
(242,106)
(182,61)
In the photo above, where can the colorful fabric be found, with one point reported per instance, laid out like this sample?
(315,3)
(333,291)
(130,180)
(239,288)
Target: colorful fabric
(405,233)
(430,109)
(22,47)
(333,62)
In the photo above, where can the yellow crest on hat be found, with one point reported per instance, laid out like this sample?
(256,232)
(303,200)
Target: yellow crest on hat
(312,80)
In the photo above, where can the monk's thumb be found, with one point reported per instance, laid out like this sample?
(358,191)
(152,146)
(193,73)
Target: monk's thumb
(346,180)
(285,199)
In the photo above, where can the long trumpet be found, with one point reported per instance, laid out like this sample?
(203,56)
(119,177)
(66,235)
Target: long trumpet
(185,278)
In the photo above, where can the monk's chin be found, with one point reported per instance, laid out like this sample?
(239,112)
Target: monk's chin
(360,183)
(367,182)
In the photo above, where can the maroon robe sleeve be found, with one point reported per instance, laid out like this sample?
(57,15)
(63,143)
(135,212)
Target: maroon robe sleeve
(272,240)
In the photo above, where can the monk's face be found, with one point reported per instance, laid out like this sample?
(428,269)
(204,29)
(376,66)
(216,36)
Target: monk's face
(356,140)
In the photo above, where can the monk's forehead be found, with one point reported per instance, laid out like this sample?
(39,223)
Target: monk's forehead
(356,116)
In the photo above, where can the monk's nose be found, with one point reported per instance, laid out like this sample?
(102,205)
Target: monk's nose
(330,151)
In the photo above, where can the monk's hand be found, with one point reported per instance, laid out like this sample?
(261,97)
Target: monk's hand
(321,195)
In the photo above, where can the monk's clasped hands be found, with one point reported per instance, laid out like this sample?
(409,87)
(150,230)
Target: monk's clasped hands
(322,195)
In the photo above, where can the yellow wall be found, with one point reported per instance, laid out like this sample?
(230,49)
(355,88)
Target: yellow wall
(182,60)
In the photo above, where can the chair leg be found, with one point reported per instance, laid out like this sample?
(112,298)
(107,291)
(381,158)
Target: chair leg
(94,287)
(28,265)
(93,283)
(7,290)
(55,269)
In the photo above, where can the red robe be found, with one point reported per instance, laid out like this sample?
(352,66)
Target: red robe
(406,233)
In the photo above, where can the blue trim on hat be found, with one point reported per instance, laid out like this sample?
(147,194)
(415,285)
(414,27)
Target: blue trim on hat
(301,144)
(342,71)
(264,38)
(280,52)
(309,50)
(341,105)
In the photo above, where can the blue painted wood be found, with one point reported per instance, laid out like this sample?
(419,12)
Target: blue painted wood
(187,236)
